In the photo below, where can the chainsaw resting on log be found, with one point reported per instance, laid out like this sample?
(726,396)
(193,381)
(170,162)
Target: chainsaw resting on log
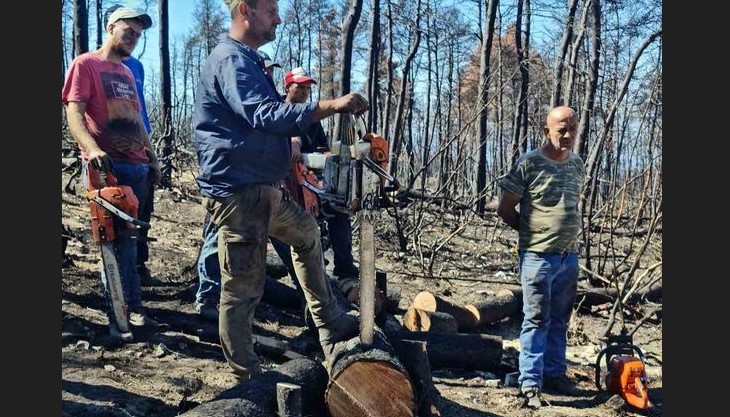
(355,181)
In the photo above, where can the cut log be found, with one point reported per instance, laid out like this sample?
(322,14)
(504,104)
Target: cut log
(371,382)
(505,304)
(258,397)
(366,382)
(427,301)
(414,355)
(473,351)
(417,320)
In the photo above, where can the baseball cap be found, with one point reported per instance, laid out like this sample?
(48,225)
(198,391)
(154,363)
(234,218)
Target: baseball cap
(126,13)
(268,62)
(297,75)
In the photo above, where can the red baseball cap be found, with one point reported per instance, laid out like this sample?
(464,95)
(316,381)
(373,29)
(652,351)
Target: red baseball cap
(297,75)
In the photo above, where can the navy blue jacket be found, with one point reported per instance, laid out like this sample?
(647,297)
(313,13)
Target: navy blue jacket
(241,125)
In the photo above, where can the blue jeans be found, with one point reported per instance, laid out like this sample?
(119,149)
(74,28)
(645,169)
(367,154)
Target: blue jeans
(209,270)
(135,176)
(146,207)
(340,234)
(549,284)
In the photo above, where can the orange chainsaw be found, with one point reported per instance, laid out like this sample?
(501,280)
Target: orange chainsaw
(626,374)
(113,211)
(355,181)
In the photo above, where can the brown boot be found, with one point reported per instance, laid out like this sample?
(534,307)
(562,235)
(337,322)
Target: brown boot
(343,328)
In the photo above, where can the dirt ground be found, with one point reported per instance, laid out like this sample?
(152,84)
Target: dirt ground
(169,370)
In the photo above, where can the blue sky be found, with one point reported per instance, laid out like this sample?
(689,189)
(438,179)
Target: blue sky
(181,20)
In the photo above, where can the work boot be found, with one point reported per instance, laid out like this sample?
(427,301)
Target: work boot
(140,319)
(561,385)
(344,327)
(532,398)
(207,312)
(146,279)
(117,335)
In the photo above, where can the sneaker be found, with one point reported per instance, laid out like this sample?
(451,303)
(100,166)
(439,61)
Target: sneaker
(115,334)
(138,319)
(344,328)
(207,312)
(561,385)
(146,279)
(532,397)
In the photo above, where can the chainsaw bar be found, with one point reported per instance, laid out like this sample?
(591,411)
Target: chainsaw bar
(115,293)
(367,279)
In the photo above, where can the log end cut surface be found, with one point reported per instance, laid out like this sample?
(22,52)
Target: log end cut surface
(366,389)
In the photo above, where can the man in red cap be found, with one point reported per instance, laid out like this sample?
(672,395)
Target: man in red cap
(298,88)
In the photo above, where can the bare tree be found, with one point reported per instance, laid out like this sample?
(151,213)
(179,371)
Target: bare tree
(374,67)
(167,139)
(396,139)
(81,27)
(486,51)
(557,98)
(352,18)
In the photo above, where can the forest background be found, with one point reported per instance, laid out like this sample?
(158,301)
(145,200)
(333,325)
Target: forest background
(460,89)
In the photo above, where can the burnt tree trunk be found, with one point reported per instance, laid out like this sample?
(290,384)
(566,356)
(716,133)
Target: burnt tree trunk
(473,351)
(258,397)
(414,355)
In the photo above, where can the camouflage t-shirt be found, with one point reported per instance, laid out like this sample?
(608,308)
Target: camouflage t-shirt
(549,194)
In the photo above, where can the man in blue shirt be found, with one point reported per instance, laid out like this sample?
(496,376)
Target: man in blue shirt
(241,127)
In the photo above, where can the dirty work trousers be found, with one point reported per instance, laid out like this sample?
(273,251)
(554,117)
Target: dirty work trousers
(244,221)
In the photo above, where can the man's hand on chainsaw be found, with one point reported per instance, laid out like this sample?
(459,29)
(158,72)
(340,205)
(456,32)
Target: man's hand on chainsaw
(351,103)
(100,160)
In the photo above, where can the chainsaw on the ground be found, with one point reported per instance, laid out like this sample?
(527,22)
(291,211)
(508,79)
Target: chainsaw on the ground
(355,181)
(626,372)
(113,212)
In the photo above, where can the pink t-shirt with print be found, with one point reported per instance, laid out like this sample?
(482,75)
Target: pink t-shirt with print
(112,107)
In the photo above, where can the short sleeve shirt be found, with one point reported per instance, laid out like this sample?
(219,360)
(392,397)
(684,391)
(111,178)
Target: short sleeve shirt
(549,194)
(112,106)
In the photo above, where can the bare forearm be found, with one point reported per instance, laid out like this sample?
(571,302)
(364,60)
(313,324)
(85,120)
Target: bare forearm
(324,109)
(80,132)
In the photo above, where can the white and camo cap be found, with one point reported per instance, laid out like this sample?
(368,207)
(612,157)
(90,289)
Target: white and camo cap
(126,13)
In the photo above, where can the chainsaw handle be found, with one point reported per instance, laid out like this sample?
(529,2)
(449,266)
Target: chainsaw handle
(610,351)
(100,177)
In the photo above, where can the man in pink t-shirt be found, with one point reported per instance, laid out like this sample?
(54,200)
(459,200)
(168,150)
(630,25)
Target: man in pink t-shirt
(103,113)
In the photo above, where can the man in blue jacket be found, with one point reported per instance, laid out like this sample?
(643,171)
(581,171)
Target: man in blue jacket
(241,127)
